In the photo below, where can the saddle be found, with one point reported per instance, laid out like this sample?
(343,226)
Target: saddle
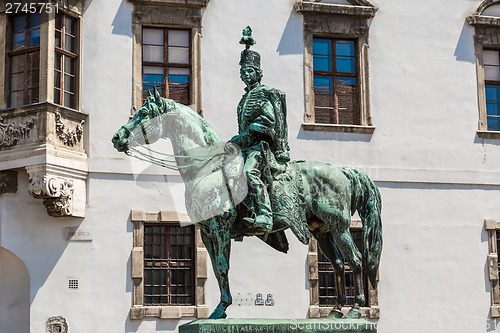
(286,193)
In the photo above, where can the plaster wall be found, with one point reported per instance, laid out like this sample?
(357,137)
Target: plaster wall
(438,180)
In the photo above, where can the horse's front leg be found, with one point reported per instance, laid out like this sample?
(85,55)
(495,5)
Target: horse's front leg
(217,240)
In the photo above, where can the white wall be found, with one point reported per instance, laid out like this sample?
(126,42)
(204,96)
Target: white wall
(438,180)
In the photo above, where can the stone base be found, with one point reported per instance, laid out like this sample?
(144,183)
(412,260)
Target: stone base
(279,326)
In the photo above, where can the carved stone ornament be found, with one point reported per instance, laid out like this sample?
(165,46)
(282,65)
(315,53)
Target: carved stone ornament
(8,182)
(56,325)
(11,133)
(57,193)
(69,138)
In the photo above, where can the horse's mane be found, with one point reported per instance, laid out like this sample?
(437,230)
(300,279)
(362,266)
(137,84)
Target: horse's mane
(188,118)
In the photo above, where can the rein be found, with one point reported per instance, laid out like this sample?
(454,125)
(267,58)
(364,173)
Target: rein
(169,164)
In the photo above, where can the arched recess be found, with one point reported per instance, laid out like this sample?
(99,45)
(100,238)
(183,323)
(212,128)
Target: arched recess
(14,294)
(484,5)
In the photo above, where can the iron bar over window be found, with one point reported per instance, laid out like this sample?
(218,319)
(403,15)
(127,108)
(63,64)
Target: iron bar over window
(24,59)
(336,83)
(168,265)
(166,63)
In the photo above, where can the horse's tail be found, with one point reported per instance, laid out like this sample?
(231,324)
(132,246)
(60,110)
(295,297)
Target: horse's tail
(365,198)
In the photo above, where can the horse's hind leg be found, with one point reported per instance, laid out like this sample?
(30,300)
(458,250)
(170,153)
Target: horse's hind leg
(332,252)
(353,256)
(217,240)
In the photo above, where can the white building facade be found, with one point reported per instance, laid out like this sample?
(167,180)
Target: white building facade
(404,90)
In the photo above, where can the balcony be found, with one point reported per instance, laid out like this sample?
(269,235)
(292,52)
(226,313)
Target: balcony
(49,142)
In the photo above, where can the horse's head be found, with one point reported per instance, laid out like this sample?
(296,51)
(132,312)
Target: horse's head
(146,124)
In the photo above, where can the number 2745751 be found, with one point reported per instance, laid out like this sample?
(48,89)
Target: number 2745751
(31,8)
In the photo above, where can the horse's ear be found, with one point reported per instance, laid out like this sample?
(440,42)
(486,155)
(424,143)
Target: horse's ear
(156,93)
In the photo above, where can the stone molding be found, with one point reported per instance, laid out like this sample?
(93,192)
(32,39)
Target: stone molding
(347,21)
(491,227)
(63,191)
(139,310)
(486,34)
(359,10)
(485,4)
(181,14)
(175,3)
(56,325)
(8,182)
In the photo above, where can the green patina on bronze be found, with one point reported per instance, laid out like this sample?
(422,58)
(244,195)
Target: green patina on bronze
(307,197)
(278,326)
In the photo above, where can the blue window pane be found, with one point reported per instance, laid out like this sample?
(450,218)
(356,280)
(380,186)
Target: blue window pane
(491,93)
(323,84)
(492,109)
(184,79)
(18,40)
(345,64)
(34,20)
(344,48)
(156,78)
(350,81)
(493,124)
(35,37)
(18,23)
(322,63)
(322,46)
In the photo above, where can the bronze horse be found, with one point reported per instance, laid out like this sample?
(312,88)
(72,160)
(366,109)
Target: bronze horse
(329,197)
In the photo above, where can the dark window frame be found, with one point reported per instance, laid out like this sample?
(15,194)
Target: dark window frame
(165,64)
(63,52)
(334,113)
(25,51)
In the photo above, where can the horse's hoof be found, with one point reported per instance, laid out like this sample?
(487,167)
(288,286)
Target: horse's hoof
(218,314)
(353,314)
(335,313)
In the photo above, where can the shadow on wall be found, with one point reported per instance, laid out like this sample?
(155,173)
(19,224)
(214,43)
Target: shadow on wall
(14,293)
(333,136)
(121,21)
(292,41)
(464,51)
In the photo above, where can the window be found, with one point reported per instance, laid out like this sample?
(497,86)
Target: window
(168,264)
(486,22)
(336,66)
(335,81)
(322,281)
(492,227)
(166,49)
(166,63)
(24,59)
(169,267)
(41,55)
(66,61)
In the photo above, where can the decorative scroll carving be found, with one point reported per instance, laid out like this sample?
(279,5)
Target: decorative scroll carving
(57,193)
(69,138)
(8,182)
(56,324)
(11,133)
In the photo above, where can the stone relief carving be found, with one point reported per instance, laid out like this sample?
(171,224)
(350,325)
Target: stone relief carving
(56,325)
(69,138)
(57,193)
(11,133)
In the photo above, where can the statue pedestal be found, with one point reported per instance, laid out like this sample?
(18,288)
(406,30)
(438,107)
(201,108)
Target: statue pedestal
(279,326)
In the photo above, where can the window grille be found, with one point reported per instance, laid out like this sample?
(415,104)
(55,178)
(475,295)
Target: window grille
(168,265)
